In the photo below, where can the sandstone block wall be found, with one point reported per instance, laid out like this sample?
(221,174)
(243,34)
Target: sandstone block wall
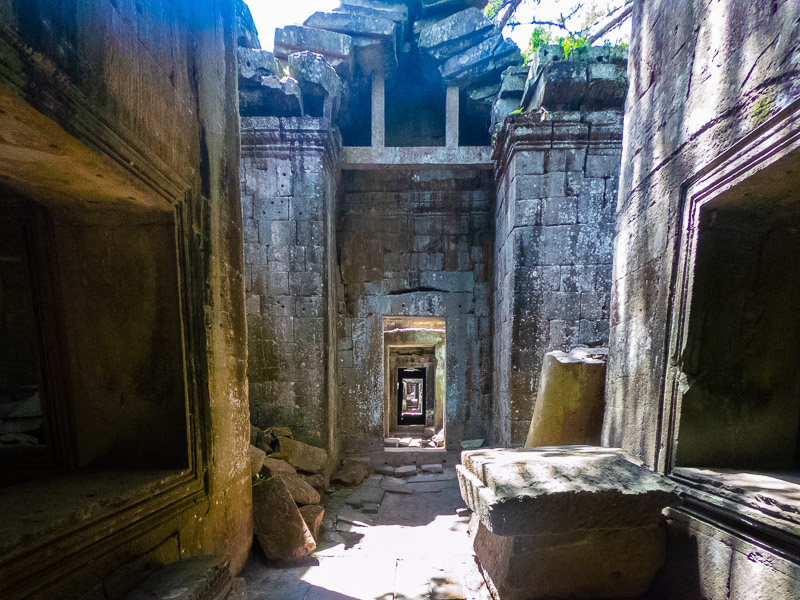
(414,243)
(556,191)
(707,79)
(289,175)
(121,110)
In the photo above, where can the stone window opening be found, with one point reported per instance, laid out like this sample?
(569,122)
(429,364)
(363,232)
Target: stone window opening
(736,422)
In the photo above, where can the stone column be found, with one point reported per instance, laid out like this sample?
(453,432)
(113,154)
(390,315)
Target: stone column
(556,194)
(452,115)
(378,111)
(290,174)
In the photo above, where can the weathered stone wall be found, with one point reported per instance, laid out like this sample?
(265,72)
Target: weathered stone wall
(702,76)
(706,80)
(123,107)
(289,175)
(556,191)
(415,243)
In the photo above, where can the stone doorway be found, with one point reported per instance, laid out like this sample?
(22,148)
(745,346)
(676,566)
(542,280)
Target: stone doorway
(411,396)
(414,382)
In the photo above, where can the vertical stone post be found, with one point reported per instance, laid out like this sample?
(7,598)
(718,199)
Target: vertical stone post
(378,111)
(452,116)
(290,173)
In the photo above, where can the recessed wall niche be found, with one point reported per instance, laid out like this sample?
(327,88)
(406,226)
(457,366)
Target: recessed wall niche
(741,405)
(103,350)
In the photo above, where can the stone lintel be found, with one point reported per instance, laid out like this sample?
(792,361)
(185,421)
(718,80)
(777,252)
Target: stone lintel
(283,137)
(460,156)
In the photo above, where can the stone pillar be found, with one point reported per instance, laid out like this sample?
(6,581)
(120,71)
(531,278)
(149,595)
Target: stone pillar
(452,116)
(290,174)
(557,182)
(378,111)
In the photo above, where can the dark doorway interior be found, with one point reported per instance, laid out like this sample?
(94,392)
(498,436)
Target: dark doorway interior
(411,396)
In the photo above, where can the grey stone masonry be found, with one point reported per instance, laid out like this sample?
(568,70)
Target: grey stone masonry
(289,175)
(415,243)
(556,192)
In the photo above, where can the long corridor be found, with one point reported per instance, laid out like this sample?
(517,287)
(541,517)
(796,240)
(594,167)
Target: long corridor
(416,546)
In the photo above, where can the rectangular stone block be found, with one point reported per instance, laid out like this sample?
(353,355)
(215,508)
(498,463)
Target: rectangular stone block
(545,490)
(559,211)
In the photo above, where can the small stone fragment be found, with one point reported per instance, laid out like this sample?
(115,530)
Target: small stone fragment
(257,456)
(432,468)
(446,588)
(370,508)
(277,523)
(313,515)
(303,457)
(301,491)
(405,471)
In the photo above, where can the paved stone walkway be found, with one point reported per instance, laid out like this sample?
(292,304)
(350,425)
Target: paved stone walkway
(408,550)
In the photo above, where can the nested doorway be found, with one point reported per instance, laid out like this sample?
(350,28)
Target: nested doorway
(411,396)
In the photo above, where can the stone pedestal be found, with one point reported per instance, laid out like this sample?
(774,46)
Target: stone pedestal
(569,407)
(565,521)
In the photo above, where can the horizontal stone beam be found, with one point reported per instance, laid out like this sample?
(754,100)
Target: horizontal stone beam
(363,157)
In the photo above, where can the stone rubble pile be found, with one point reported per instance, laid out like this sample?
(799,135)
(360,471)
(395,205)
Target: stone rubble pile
(361,39)
(288,479)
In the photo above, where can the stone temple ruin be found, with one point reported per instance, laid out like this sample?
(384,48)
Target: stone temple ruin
(235,283)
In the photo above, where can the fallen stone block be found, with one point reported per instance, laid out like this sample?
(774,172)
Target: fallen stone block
(442,39)
(480,62)
(277,523)
(323,91)
(337,48)
(432,468)
(301,491)
(301,456)
(374,39)
(571,401)
(512,83)
(538,491)
(316,481)
(254,64)
(313,514)
(273,467)
(257,456)
(405,471)
(273,97)
(254,433)
(395,11)
(351,474)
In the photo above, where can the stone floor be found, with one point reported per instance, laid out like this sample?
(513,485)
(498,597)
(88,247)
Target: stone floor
(414,546)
